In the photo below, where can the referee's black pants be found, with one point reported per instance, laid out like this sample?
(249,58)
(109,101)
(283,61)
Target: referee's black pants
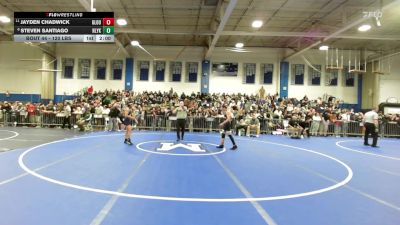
(180,128)
(370,129)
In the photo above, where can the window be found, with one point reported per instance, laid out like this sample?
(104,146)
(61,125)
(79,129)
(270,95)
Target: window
(159,71)
(84,68)
(249,73)
(192,70)
(314,76)
(68,68)
(297,74)
(332,78)
(144,70)
(101,65)
(267,70)
(116,72)
(176,71)
(348,80)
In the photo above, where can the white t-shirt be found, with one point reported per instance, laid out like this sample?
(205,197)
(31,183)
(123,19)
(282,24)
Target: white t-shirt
(106,111)
(370,116)
(278,113)
(181,112)
(345,117)
(67,110)
(316,118)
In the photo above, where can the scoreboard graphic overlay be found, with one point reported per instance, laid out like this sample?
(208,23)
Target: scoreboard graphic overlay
(64,26)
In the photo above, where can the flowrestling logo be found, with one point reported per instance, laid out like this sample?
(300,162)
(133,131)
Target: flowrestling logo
(165,147)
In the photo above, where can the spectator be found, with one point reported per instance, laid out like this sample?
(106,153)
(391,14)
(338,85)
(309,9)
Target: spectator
(114,114)
(243,124)
(346,115)
(316,121)
(295,130)
(151,109)
(31,108)
(254,124)
(67,115)
(84,121)
(324,123)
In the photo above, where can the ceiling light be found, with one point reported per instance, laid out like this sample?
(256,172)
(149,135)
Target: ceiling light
(121,22)
(257,23)
(364,27)
(5,19)
(239,45)
(135,43)
(324,47)
(237,50)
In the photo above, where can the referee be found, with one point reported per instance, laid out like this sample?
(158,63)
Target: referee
(371,127)
(181,115)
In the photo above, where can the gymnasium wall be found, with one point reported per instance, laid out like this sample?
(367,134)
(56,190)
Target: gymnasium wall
(87,51)
(167,53)
(16,75)
(389,84)
(220,84)
(347,94)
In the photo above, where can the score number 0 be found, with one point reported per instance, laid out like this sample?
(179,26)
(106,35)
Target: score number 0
(108,25)
(108,21)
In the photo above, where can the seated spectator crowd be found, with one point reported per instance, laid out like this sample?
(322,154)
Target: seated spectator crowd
(253,114)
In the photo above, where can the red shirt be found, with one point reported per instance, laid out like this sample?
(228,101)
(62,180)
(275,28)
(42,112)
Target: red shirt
(90,90)
(31,109)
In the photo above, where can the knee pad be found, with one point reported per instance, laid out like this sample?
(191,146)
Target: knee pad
(223,135)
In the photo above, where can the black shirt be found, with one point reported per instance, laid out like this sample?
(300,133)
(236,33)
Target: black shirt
(326,116)
(114,112)
(293,123)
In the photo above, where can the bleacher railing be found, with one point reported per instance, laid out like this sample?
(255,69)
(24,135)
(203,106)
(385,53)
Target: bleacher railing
(193,124)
